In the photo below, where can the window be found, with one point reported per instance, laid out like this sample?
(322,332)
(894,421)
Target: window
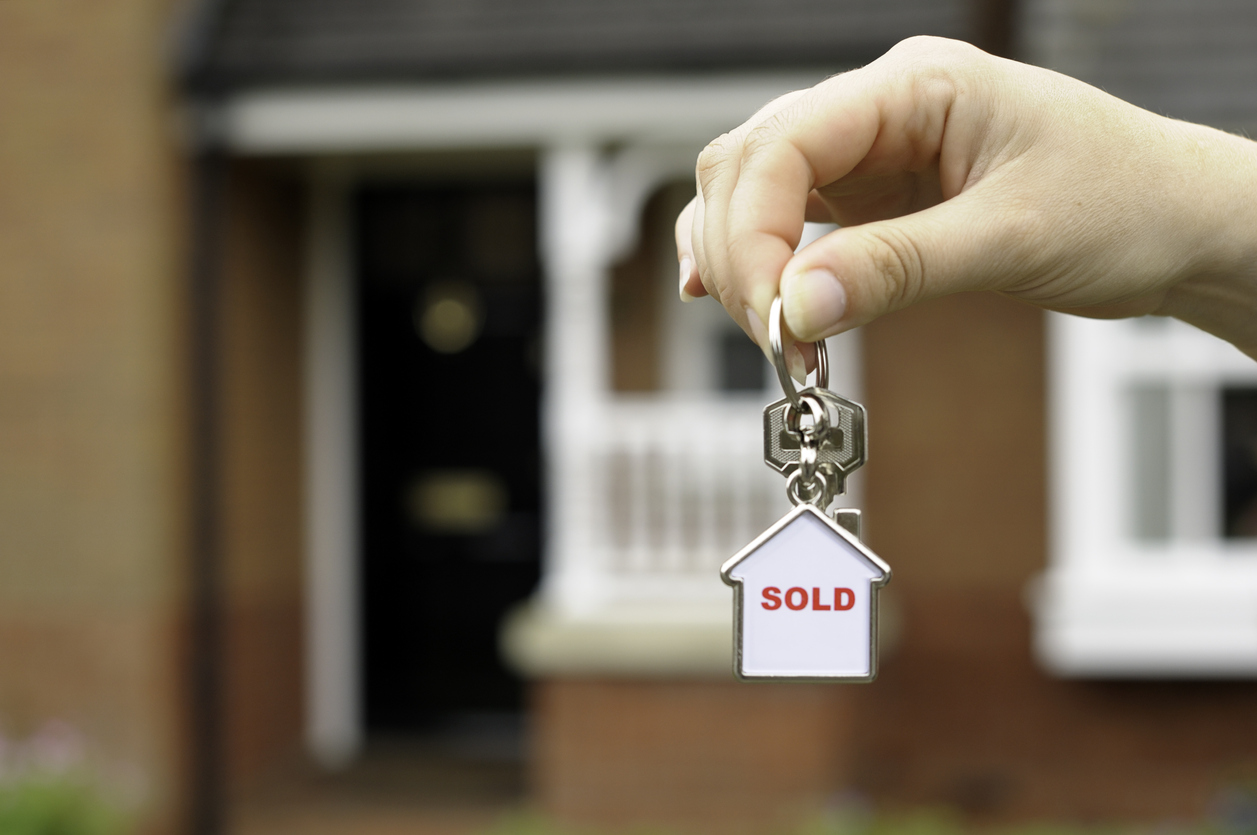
(1153,566)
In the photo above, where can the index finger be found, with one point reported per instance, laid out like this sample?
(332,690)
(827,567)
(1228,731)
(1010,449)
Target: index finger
(880,116)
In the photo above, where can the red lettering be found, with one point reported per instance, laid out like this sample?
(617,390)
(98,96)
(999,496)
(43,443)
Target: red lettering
(797,598)
(802,598)
(772,598)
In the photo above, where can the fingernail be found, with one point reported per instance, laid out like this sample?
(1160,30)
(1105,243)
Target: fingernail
(758,331)
(798,368)
(813,302)
(687,269)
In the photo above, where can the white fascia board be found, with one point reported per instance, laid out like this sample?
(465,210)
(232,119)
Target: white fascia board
(381,118)
(1158,621)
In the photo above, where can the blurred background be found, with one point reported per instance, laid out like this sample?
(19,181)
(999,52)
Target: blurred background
(360,472)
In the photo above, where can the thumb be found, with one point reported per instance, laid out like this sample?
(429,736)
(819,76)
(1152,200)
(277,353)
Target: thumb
(855,274)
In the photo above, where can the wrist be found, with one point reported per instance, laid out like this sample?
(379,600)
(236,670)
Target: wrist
(1217,292)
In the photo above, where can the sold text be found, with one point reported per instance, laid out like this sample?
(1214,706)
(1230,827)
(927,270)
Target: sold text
(798,598)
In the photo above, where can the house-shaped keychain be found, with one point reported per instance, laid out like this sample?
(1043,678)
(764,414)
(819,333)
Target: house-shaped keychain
(805,602)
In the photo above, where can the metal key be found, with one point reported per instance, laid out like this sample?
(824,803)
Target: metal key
(816,439)
(842,444)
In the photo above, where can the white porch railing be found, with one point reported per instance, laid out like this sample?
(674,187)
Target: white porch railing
(680,485)
(657,492)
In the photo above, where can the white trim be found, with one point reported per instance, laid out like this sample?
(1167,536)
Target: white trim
(345,119)
(333,720)
(573,218)
(1109,604)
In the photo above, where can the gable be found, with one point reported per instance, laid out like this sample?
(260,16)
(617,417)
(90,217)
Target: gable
(806,541)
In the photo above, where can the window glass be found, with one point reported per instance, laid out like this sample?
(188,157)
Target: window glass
(742,366)
(1149,420)
(1239,462)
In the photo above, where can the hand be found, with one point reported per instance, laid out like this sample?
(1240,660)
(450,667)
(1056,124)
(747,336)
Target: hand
(951,170)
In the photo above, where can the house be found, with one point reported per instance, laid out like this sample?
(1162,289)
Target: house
(805,601)
(448,460)
(529,184)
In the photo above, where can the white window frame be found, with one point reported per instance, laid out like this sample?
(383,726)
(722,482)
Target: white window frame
(1111,604)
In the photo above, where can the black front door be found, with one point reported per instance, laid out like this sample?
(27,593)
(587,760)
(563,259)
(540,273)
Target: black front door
(449,307)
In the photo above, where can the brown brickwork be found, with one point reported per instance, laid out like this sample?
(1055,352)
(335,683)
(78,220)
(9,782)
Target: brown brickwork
(956,502)
(93,354)
(956,477)
(92,519)
(718,756)
(262,472)
(961,716)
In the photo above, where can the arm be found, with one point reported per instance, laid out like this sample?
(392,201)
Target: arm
(951,170)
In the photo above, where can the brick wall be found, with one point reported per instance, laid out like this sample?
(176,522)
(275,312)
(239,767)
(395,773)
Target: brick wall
(262,471)
(961,715)
(92,480)
(705,755)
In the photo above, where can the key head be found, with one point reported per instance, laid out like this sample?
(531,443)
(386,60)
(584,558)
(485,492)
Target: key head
(842,445)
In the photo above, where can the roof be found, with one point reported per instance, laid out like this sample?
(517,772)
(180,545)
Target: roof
(267,42)
(1191,60)
(820,530)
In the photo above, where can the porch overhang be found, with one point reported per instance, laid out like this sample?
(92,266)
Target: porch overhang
(355,119)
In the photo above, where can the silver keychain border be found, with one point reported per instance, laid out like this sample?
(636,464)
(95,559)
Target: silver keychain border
(739,592)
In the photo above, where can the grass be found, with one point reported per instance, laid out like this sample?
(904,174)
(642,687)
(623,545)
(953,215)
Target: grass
(915,823)
(54,805)
(47,787)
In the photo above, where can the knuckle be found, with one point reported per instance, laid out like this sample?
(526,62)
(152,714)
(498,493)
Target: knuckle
(934,47)
(915,45)
(777,105)
(938,66)
(711,285)
(763,138)
(740,250)
(771,140)
(714,160)
(897,265)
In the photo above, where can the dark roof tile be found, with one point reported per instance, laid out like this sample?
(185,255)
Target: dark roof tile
(1190,59)
(295,41)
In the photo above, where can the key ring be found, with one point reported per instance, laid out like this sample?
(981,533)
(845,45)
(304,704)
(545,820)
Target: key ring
(800,492)
(779,358)
(793,416)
